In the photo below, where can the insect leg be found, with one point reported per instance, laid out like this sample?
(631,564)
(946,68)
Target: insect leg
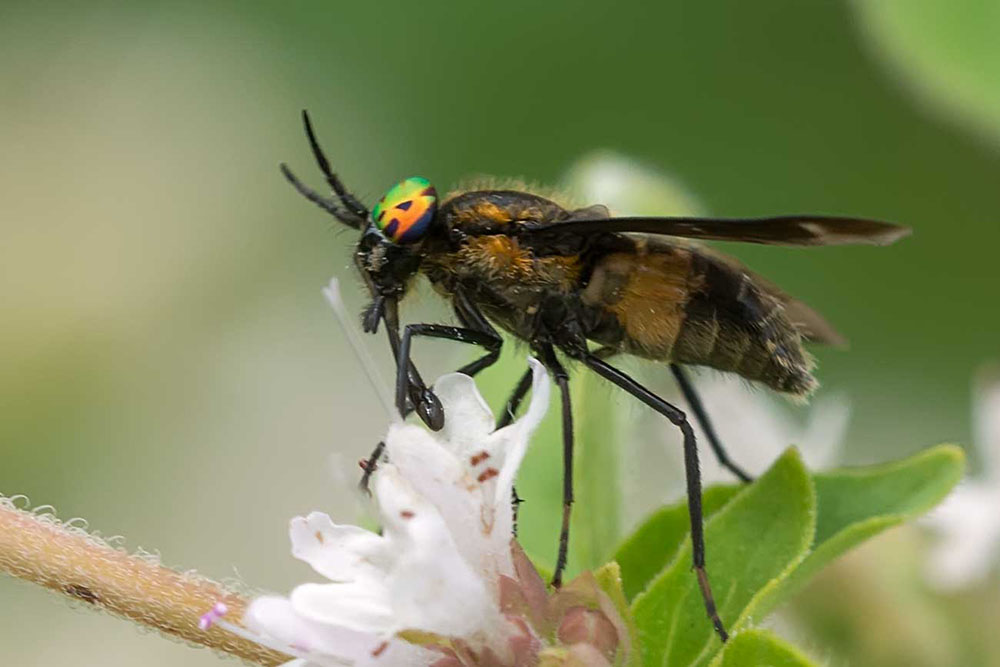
(403,362)
(562,381)
(472,318)
(676,417)
(514,402)
(693,400)
(524,385)
(369,465)
(421,398)
(349,201)
(418,393)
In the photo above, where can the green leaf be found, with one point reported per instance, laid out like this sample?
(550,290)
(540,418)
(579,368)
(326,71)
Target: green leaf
(764,531)
(759,648)
(656,541)
(947,52)
(856,504)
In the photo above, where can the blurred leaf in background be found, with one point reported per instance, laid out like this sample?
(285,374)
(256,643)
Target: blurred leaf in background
(947,53)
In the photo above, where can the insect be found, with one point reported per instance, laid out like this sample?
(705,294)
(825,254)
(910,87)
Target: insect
(584,285)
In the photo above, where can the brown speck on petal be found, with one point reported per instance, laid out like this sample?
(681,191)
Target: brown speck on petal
(476,459)
(380,649)
(319,537)
(487,474)
(407,514)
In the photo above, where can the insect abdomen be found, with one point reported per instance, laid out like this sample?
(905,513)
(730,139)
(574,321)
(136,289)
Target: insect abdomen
(733,325)
(675,303)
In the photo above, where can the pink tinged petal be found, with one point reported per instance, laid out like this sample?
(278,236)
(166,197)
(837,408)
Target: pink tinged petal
(447,661)
(209,618)
(585,655)
(581,625)
(530,588)
(338,552)
(522,644)
(468,420)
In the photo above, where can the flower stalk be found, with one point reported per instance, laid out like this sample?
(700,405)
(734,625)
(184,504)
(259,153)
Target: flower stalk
(67,559)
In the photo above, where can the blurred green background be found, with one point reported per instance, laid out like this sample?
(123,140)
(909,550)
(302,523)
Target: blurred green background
(169,369)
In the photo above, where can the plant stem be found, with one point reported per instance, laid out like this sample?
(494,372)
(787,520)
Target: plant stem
(66,559)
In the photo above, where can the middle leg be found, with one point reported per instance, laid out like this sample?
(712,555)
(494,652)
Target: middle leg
(692,398)
(562,381)
(692,473)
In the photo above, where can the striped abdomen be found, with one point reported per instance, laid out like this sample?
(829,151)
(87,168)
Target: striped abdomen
(683,304)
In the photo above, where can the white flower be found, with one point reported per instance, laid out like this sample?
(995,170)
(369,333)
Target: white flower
(444,500)
(755,428)
(967,523)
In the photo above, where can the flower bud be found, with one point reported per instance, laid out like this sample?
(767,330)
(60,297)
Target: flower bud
(581,625)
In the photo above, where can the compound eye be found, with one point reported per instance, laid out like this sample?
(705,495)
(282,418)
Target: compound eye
(405,212)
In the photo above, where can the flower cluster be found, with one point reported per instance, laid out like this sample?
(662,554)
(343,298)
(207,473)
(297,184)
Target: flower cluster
(967,523)
(443,584)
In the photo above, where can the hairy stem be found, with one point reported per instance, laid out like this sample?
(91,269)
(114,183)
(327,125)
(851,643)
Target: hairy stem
(64,558)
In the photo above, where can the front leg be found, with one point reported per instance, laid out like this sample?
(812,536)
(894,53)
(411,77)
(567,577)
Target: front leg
(491,341)
(422,399)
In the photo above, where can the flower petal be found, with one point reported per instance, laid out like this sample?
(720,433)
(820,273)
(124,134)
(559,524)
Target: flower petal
(434,473)
(338,552)
(468,419)
(969,536)
(362,606)
(514,438)
(822,439)
(274,618)
(431,586)
(431,469)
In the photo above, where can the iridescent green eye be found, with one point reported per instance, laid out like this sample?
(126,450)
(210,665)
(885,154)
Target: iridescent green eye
(404,212)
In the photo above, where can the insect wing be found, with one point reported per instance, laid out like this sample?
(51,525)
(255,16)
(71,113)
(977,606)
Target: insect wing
(791,230)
